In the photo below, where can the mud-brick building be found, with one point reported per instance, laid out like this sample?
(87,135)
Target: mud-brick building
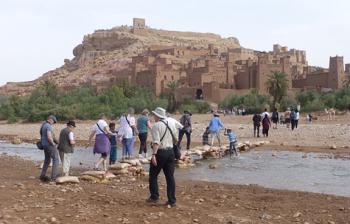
(211,74)
(331,78)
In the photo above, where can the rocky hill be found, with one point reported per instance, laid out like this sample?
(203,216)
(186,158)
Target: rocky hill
(108,53)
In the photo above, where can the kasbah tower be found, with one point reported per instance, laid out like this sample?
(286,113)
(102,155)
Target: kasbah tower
(211,74)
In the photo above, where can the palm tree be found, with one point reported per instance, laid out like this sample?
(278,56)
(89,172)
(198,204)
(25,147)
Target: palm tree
(277,86)
(172,101)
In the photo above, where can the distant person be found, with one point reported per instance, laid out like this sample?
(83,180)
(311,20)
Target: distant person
(66,146)
(185,120)
(293,116)
(127,131)
(265,113)
(205,137)
(113,139)
(275,118)
(48,141)
(143,124)
(256,123)
(102,145)
(232,139)
(266,125)
(287,117)
(297,117)
(215,125)
(309,118)
(174,122)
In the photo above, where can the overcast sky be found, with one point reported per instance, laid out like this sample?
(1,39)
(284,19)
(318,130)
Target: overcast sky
(37,35)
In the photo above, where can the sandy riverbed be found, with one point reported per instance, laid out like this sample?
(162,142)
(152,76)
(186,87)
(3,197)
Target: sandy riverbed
(318,136)
(23,199)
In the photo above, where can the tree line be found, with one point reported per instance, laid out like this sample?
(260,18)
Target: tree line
(85,103)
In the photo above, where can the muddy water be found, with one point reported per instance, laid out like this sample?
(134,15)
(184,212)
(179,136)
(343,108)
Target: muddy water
(318,173)
(280,170)
(81,157)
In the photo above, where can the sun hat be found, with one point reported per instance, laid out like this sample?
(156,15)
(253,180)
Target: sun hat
(52,117)
(71,123)
(160,112)
(188,112)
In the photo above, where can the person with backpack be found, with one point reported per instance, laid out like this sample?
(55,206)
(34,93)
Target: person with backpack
(185,120)
(274,118)
(256,123)
(163,157)
(48,141)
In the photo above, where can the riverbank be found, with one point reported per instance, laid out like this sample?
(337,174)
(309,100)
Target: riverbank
(23,199)
(323,135)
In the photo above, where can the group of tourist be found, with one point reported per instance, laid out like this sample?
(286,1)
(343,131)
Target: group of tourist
(165,132)
(290,118)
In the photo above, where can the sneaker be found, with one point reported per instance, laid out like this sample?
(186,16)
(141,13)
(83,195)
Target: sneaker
(152,201)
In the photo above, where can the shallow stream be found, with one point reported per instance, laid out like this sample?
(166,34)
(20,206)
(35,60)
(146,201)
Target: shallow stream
(318,173)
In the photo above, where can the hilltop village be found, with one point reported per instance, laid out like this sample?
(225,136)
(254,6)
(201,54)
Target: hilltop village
(205,66)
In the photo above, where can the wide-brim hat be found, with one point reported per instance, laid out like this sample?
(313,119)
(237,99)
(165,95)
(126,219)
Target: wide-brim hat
(71,123)
(188,112)
(160,112)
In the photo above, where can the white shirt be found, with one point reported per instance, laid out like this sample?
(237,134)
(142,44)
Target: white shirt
(159,129)
(71,136)
(264,113)
(102,124)
(297,116)
(175,123)
(125,130)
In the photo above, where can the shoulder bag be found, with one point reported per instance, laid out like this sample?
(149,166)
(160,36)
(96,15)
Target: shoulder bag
(176,148)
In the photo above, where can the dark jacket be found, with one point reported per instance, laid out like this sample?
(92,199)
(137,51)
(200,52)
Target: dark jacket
(64,142)
(257,119)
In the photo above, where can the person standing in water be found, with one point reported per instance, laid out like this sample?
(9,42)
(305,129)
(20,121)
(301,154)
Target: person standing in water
(102,144)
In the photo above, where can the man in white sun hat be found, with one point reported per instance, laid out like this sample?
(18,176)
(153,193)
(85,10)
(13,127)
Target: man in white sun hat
(163,156)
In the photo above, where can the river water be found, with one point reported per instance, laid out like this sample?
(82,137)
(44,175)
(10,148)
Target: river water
(318,173)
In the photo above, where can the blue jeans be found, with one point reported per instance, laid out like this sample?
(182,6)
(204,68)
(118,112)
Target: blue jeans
(113,154)
(127,146)
(233,148)
(50,152)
